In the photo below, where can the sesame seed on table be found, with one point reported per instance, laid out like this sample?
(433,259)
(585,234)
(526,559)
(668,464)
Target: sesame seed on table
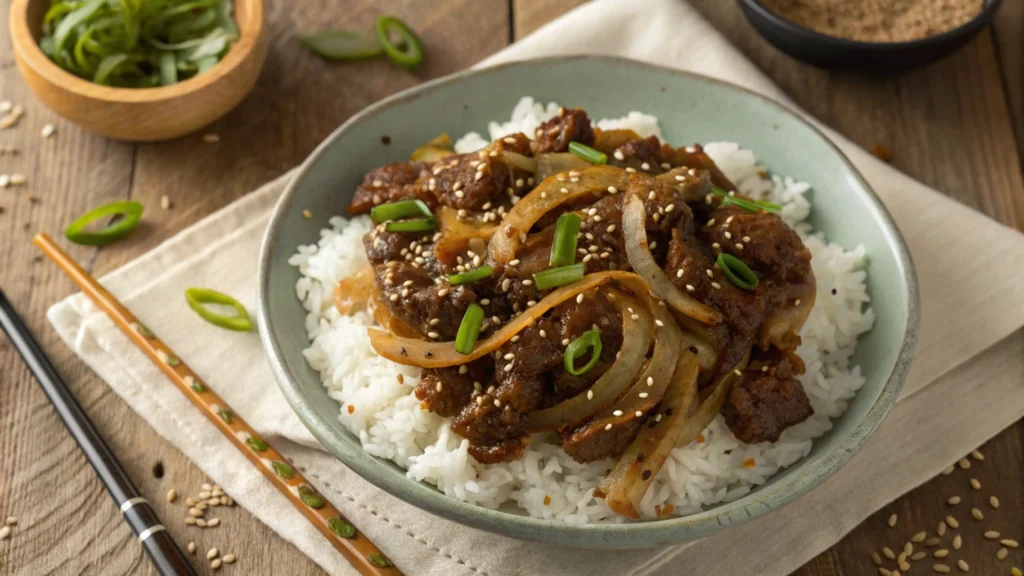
(959,140)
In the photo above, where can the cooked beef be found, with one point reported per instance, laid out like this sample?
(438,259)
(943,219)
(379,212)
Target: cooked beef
(643,155)
(471,181)
(435,310)
(556,134)
(766,401)
(590,443)
(445,391)
(390,183)
(765,243)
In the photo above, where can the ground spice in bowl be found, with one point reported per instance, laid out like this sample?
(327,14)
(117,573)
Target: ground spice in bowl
(877,20)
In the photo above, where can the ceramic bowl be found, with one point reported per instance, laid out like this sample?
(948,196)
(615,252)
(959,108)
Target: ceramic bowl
(691,109)
(141,114)
(831,52)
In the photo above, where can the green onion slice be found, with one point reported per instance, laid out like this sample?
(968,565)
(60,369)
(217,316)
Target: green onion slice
(471,276)
(311,497)
(578,347)
(736,271)
(563,248)
(342,44)
(408,51)
(587,153)
(257,444)
(198,297)
(754,206)
(130,211)
(283,469)
(555,277)
(380,560)
(341,528)
(418,225)
(399,210)
(469,330)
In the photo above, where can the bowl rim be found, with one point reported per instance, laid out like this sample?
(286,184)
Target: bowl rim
(626,535)
(806,34)
(33,57)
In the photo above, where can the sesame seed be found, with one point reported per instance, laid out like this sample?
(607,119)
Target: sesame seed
(619,155)
(497,403)
(657,418)
(505,284)
(876,558)
(630,170)
(307,214)
(650,381)
(212,553)
(565,342)
(172,495)
(635,316)
(5,532)
(941,568)
(941,529)
(957,542)
(975,484)
(1009,543)
(710,273)
(479,400)
(908,549)
(947,471)
(608,427)
(796,302)
(442,292)
(229,558)
(579,299)
(716,285)
(507,368)
(992,535)
(738,246)
(964,463)
(952,522)
(612,190)
(933,541)
(993,501)
(953,500)
(690,288)
(659,323)
(888,553)
(962,564)
(11,521)
(977,514)
(211,138)
(940,553)
(1002,553)
(433,335)
(919,537)
(214,522)
(514,262)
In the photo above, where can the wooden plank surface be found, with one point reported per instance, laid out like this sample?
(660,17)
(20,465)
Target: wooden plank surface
(959,139)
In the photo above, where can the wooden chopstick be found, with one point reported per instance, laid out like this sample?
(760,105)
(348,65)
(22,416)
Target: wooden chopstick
(353,544)
(136,510)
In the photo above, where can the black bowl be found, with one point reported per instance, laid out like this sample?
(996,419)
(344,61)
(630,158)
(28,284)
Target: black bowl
(830,52)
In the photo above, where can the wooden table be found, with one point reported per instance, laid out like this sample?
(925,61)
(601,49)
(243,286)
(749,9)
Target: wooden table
(951,125)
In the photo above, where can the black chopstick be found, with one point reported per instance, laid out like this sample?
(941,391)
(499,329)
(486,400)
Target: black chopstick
(135,509)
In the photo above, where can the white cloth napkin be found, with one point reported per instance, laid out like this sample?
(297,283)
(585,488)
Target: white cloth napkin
(965,385)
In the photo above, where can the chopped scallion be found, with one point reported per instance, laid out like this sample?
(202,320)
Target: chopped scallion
(555,277)
(469,330)
(591,339)
(471,276)
(398,210)
(753,206)
(563,248)
(587,153)
(407,52)
(417,225)
(736,271)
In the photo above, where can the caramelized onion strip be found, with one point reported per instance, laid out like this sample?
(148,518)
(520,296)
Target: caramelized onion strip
(413,352)
(637,333)
(641,259)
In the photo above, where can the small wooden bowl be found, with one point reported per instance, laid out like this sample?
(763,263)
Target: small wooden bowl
(141,114)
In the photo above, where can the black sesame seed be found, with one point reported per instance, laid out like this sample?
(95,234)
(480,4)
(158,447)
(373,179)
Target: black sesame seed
(385,139)
(158,469)
(645,474)
(834,291)
(640,457)
(668,412)
(404,353)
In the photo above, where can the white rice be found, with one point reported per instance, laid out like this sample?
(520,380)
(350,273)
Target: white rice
(546,483)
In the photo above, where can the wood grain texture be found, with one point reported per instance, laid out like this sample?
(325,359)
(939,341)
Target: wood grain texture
(948,125)
(141,115)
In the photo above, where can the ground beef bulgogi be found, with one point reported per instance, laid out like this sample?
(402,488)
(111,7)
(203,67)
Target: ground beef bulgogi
(687,225)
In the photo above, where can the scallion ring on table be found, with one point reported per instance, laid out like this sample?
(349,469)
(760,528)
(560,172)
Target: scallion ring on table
(749,205)
(398,210)
(342,44)
(589,340)
(408,51)
(130,211)
(555,277)
(471,276)
(469,330)
(736,271)
(198,298)
(563,247)
(417,225)
(587,153)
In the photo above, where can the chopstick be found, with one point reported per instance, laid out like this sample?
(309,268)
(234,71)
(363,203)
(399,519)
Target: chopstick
(355,546)
(136,510)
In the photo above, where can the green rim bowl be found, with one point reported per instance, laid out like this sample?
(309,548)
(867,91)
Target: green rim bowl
(691,109)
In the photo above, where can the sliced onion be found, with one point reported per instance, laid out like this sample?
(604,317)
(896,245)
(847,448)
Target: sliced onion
(697,336)
(636,342)
(457,234)
(653,380)
(517,160)
(354,293)
(556,162)
(437,149)
(701,161)
(389,321)
(691,189)
(782,325)
(413,352)
(640,258)
(626,484)
(608,140)
(547,196)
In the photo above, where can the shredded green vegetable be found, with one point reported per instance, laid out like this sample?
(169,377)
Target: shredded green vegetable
(137,43)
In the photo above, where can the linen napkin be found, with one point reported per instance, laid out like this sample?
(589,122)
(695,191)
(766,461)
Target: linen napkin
(969,349)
